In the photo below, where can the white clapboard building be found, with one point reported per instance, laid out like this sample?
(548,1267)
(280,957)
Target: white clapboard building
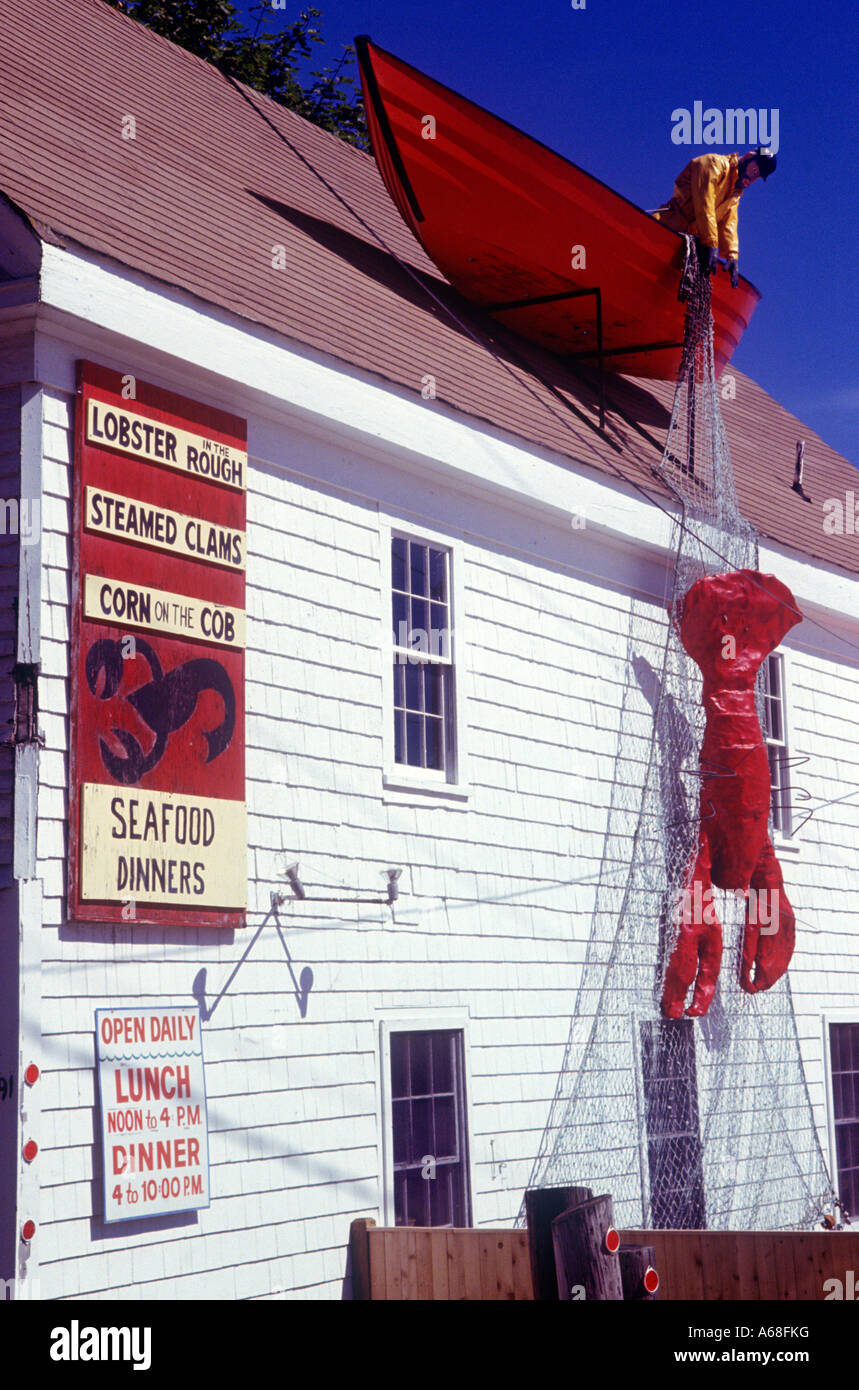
(407,473)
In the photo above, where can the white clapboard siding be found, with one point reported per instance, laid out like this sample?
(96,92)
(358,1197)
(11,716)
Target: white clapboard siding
(489,921)
(10,488)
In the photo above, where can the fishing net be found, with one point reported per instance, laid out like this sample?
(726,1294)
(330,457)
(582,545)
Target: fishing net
(702,1122)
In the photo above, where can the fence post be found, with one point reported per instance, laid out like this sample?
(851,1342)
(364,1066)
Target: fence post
(582,1257)
(542,1205)
(359,1246)
(635,1262)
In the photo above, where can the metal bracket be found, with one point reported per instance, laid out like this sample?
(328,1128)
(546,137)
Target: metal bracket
(25,720)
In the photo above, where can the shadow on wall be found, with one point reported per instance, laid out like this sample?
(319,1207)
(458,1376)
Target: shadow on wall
(465,318)
(301,987)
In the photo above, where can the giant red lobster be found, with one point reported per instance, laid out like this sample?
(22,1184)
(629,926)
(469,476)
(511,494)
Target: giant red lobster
(728,623)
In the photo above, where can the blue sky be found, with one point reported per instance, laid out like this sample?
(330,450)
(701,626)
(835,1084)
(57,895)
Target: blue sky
(599,85)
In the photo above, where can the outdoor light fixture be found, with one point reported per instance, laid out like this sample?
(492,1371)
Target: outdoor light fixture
(393,876)
(294,881)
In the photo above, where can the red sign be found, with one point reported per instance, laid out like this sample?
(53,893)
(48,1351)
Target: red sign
(157,786)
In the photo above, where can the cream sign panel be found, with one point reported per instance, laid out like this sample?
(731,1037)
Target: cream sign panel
(115,428)
(160,611)
(163,846)
(146,524)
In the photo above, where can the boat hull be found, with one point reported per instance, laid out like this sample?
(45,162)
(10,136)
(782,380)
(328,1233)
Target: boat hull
(510,223)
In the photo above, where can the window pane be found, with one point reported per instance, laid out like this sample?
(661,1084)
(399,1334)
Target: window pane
(418,557)
(414,679)
(459,1197)
(438,575)
(850,1191)
(399,1199)
(414,752)
(417,1199)
(421,1083)
(847,1145)
(442,1062)
(434,732)
(399,684)
(439,635)
(445,1127)
(400,612)
(777,793)
(399,1064)
(402,1130)
(422,1143)
(433,676)
(441,1206)
(399,736)
(419,635)
(398,562)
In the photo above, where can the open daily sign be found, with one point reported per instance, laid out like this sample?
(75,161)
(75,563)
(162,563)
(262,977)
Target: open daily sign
(153,1111)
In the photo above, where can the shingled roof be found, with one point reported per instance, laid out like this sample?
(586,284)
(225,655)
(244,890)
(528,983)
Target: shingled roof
(218,175)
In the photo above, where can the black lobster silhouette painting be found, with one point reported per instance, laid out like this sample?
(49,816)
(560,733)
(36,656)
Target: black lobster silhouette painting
(165,704)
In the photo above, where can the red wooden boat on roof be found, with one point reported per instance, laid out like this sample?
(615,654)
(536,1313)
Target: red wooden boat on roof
(500,214)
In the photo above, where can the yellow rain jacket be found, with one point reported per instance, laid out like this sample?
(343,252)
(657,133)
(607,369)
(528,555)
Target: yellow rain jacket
(705,204)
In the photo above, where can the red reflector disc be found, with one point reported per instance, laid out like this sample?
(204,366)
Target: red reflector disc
(612,1240)
(31,1148)
(651,1279)
(28,1230)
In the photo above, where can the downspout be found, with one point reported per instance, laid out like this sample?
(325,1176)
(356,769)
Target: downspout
(27,741)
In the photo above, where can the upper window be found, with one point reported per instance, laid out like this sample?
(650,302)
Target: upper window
(429,1129)
(423,662)
(844,1055)
(775,732)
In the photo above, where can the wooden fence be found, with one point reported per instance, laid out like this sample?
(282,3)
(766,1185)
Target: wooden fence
(730,1265)
(426,1263)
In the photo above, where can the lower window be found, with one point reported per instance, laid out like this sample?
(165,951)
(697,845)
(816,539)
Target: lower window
(844,1059)
(674,1148)
(430,1147)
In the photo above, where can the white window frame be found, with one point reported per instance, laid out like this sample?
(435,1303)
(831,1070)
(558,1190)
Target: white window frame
(787,844)
(848,1015)
(408,1021)
(401,781)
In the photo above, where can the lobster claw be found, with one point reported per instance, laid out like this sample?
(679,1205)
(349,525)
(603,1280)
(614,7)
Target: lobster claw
(697,953)
(123,770)
(767,943)
(105,656)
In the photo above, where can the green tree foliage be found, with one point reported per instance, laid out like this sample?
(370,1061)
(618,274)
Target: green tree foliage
(272,57)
